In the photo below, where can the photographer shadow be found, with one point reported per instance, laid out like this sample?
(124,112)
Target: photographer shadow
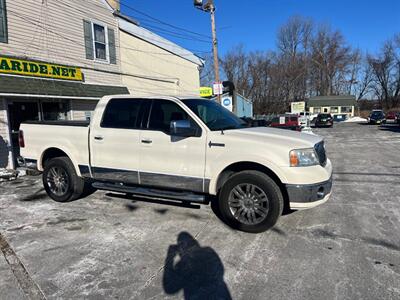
(196,270)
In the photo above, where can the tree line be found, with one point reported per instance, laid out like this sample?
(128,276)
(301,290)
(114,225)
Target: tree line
(311,60)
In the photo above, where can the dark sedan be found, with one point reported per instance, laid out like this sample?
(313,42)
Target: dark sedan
(324,120)
(376,117)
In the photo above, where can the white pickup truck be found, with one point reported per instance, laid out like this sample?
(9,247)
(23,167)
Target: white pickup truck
(183,149)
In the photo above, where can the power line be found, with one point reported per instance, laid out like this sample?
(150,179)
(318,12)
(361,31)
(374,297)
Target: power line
(114,25)
(68,39)
(160,21)
(162,30)
(37,23)
(159,79)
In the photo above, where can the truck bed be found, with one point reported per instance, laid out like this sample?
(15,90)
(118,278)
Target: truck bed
(71,137)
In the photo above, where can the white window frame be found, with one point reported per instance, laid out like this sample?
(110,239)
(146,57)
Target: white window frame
(107,60)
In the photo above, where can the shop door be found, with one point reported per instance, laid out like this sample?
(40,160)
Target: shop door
(20,112)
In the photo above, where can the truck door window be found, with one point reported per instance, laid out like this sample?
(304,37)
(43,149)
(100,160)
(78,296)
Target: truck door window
(163,112)
(122,113)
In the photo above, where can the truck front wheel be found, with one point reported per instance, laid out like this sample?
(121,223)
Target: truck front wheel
(60,180)
(250,201)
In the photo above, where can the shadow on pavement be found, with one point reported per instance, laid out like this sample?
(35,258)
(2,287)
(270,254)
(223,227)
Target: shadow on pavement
(372,241)
(196,270)
(40,194)
(395,128)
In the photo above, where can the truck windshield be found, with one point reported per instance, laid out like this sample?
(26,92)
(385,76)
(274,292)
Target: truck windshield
(214,115)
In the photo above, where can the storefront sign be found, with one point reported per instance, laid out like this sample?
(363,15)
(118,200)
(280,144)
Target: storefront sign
(38,69)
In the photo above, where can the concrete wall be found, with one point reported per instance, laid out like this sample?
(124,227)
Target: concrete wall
(52,31)
(177,76)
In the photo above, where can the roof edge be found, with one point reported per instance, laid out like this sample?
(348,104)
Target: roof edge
(133,28)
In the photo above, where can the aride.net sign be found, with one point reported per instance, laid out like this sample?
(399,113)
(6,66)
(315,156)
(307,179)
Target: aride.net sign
(16,66)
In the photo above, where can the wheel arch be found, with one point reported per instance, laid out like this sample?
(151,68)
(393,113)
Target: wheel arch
(250,166)
(53,152)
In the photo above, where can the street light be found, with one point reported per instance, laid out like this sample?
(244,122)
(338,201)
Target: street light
(210,7)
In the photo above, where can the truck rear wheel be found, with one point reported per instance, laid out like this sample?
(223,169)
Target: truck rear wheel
(60,180)
(251,201)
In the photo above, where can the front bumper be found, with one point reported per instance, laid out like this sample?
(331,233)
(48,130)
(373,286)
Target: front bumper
(303,196)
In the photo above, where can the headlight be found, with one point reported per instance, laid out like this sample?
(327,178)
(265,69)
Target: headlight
(303,157)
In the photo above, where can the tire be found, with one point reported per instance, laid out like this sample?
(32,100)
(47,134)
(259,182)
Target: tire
(62,170)
(253,214)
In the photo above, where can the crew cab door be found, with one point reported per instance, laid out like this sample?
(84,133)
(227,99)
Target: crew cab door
(169,161)
(115,141)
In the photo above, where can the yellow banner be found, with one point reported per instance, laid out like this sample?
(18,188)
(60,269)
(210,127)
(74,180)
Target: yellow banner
(38,69)
(206,91)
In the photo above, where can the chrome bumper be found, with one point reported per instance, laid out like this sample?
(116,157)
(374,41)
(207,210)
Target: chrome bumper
(307,193)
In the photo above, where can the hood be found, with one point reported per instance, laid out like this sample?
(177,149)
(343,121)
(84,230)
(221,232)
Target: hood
(289,138)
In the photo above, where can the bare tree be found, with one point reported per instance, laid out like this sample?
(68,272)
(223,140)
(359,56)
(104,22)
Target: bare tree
(386,73)
(331,58)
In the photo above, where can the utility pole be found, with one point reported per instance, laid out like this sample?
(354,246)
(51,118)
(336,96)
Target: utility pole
(210,7)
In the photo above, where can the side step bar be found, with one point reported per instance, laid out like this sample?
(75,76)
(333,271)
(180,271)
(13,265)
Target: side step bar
(151,192)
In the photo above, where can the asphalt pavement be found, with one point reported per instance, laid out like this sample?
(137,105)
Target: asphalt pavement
(107,246)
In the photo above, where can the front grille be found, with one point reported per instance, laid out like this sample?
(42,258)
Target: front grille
(320,150)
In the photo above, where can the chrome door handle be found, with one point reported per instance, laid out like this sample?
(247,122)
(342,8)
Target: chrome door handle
(147,141)
(98,138)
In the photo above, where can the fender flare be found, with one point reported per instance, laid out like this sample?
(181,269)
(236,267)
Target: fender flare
(68,154)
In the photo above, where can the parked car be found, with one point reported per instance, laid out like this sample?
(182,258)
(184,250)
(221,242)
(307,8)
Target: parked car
(340,118)
(184,149)
(391,117)
(376,117)
(287,121)
(324,120)
(304,119)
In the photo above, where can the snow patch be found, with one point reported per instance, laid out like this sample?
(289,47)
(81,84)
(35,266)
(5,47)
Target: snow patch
(355,119)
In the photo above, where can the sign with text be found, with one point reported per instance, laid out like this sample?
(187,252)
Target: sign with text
(297,107)
(16,66)
(206,91)
(218,88)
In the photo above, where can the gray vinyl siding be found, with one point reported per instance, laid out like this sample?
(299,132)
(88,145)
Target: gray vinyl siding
(54,33)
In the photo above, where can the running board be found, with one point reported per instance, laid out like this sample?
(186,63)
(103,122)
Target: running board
(151,192)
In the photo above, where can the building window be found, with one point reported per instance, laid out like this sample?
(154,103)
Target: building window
(346,109)
(54,110)
(334,109)
(3,22)
(317,110)
(100,42)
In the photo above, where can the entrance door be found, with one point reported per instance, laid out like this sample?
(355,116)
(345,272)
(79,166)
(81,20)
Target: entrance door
(20,112)
(167,161)
(115,143)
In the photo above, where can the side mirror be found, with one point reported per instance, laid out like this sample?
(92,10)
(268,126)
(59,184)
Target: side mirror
(183,128)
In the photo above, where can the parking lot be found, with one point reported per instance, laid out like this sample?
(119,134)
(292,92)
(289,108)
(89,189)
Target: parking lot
(111,246)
